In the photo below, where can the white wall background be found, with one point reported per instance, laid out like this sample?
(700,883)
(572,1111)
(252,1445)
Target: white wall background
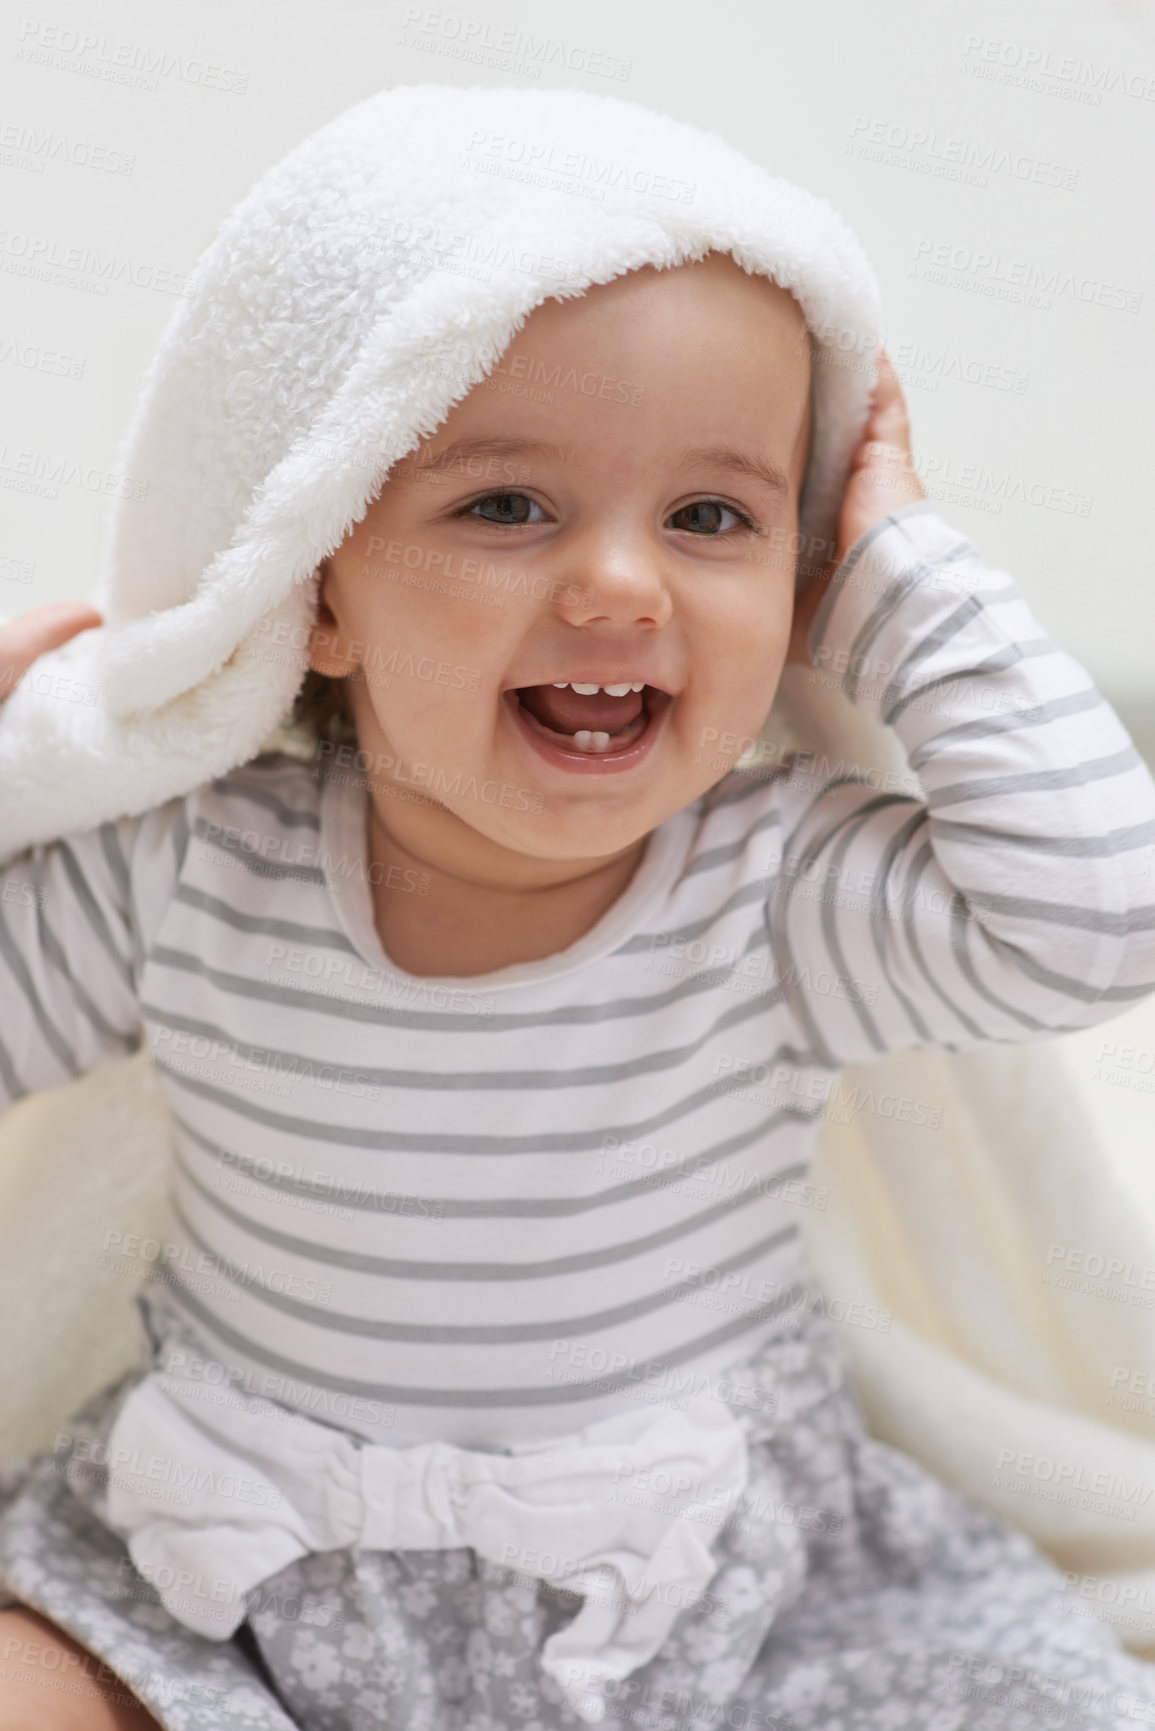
(958,104)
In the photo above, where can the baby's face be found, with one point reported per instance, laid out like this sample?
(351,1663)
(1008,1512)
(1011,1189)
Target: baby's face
(569,605)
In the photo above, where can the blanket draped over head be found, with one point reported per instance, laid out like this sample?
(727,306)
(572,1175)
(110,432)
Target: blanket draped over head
(358,291)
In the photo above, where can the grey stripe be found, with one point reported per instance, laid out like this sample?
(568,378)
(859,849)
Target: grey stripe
(478,1334)
(961,920)
(1116,841)
(999,662)
(117,864)
(947,629)
(710,858)
(821,620)
(256,863)
(740,898)
(1078,703)
(286,1063)
(93,912)
(920,860)
(118,867)
(1035,780)
(292,817)
(835,586)
(897,848)
(441,1142)
(828,918)
(1061,982)
(557,1395)
(265,925)
(897,699)
(724,974)
(875,621)
(23,978)
(498,1207)
(937,639)
(53,951)
(1140,919)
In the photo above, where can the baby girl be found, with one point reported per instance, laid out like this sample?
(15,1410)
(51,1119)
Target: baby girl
(452,1416)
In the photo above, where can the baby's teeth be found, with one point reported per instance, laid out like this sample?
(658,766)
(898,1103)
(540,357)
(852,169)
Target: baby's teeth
(591,742)
(592,690)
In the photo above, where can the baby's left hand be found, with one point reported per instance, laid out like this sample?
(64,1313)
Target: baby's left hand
(881,479)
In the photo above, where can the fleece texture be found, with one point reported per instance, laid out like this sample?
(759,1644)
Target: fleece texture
(362,287)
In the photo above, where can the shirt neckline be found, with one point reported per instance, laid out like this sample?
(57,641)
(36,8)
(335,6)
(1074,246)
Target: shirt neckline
(344,837)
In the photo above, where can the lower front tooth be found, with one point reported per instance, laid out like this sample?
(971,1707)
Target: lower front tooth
(592,742)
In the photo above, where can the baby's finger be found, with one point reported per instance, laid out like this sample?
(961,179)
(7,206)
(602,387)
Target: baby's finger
(33,634)
(888,422)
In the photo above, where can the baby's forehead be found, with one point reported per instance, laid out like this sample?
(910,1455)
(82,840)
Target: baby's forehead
(662,316)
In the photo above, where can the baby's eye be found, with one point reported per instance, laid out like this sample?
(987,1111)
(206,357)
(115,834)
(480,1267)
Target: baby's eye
(704,517)
(507,508)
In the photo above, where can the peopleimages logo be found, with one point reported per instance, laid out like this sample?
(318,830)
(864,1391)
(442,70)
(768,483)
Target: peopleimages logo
(572,170)
(509,49)
(1014,279)
(926,151)
(81,267)
(118,62)
(1030,66)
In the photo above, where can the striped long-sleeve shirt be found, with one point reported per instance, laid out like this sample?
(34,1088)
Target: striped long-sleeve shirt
(491,1208)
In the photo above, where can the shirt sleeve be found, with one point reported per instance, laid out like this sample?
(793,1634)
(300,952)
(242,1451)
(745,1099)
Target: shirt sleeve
(1014,900)
(75,919)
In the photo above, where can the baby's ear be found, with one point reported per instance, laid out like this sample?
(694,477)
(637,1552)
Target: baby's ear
(327,653)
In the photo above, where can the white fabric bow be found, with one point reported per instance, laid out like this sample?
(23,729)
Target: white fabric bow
(214,1492)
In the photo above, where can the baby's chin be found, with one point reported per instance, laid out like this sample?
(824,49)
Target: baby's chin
(594,822)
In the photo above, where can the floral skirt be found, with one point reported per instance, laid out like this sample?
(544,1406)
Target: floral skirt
(853,1592)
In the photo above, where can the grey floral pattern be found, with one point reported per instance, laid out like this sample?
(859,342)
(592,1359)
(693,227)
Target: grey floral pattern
(853,1592)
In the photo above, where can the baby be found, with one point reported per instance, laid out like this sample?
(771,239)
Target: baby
(478,1417)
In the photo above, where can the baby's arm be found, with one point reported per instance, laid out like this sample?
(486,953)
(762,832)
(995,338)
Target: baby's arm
(1018,898)
(68,947)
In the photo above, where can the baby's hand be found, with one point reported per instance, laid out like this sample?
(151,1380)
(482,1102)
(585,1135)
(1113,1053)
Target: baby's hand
(881,479)
(882,474)
(33,634)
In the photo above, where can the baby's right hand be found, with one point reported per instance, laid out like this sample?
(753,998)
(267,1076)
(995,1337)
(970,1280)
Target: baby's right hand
(33,634)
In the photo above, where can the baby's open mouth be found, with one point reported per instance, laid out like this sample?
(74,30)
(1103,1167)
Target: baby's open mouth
(595,720)
(574,720)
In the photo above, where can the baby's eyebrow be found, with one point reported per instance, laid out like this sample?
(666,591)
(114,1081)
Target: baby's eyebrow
(710,456)
(490,447)
(739,463)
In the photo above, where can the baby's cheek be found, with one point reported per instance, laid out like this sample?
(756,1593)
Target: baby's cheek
(426,706)
(716,726)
